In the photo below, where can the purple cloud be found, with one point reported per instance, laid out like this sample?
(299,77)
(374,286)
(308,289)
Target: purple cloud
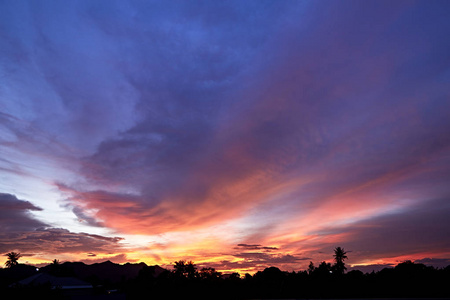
(319,113)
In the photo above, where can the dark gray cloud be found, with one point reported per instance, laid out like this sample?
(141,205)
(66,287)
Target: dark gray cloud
(56,241)
(21,231)
(83,217)
(435,262)
(15,214)
(254,247)
(269,259)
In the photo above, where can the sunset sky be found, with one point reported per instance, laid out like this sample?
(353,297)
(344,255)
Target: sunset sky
(237,134)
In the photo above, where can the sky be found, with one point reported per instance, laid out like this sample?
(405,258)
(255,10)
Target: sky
(236,134)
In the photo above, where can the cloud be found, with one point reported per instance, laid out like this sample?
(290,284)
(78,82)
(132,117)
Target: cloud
(23,232)
(83,217)
(254,247)
(419,229)
(134,57)
(15,214)
(254,261)
(435,262)
(269,259)
(56,241)
(195,157)
(414,231)
(253,257)
(118,259)
(71,98)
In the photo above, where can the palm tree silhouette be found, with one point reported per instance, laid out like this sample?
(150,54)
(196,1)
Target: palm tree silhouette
(13,258)
(339,257)
(55,268)
(185,269)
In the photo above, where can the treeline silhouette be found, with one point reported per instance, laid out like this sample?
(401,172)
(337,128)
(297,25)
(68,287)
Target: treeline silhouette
(406,280)
(186,280)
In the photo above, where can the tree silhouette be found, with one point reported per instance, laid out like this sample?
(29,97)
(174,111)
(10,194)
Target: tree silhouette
(324,269)
(311,267)
(209,274)
(339,257)
(13,258)
(185,269)
(55,268)
(179,267)
(234,276)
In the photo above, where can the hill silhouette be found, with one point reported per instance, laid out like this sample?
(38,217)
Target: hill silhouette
(100,273)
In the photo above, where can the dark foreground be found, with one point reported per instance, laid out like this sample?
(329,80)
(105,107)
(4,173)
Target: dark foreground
(138,281)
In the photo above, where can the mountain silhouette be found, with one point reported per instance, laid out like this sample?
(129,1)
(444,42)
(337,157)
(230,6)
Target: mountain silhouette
(100,273)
